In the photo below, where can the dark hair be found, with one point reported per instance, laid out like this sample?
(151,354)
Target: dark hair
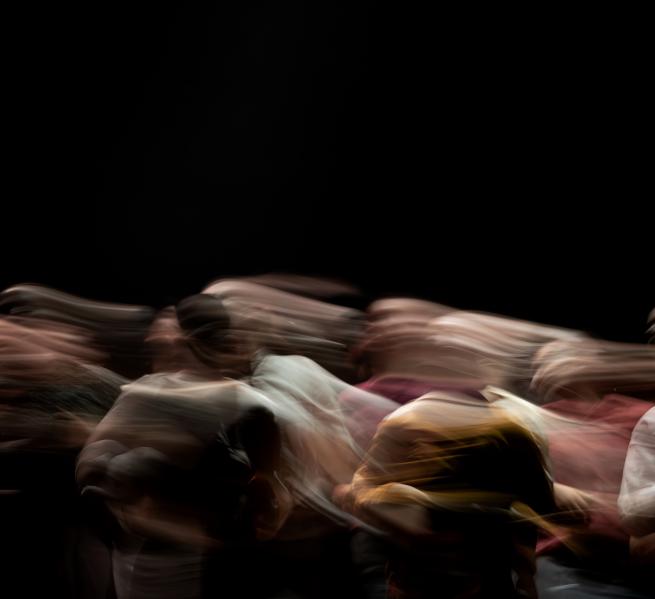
(204,320)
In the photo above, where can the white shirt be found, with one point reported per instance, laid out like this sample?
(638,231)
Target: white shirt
(637,498)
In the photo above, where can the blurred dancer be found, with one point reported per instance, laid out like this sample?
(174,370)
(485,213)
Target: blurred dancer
(456,482)
(50,400)
(115,331)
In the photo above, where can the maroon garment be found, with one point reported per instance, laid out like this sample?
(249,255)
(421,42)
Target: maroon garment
(403,390)
(591,457)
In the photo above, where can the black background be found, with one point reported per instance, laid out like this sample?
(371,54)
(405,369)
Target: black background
(498,161)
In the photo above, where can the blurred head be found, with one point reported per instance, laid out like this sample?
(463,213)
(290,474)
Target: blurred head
(207,329)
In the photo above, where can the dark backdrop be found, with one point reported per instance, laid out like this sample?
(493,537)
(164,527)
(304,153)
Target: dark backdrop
(498,161)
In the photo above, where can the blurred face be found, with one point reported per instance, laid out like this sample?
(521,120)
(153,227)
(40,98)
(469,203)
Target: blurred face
(168,346)
(204,327)
(219,350)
